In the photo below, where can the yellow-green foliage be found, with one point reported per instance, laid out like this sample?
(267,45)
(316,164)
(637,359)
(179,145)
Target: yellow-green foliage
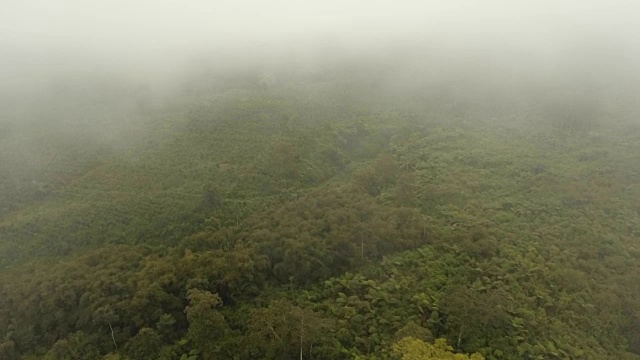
(414,349)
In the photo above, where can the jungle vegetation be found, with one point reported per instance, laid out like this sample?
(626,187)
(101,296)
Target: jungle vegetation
(322,213)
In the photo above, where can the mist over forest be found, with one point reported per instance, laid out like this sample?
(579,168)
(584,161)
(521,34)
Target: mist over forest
(329,180)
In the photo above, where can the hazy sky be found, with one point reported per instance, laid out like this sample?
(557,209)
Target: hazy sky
(138,25)
(153,36)
(48,45)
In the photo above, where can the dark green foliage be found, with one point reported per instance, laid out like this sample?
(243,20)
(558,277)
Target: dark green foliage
(285,160)
(77,346)
(207,326)
(8,350)
(144,346)
(381,174)
(476,321)
(213,199)
(284,331)
(327,232)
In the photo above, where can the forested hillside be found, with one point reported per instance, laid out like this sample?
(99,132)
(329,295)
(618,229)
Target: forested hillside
(329,212)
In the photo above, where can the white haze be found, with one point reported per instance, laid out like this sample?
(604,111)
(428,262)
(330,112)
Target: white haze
(154,32)
(45,43)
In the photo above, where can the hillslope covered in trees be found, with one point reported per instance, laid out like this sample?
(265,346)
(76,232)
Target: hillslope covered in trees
(321,215)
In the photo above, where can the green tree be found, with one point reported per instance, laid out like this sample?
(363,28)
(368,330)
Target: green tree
(207,327)
(212,198)
(410,348)
(78,345)
(406,189)
(8,350)
(106,315)
(283,330)
(285,157)
(475,320)
(144,346)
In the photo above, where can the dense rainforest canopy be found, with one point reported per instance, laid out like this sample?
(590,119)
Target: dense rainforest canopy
(322,213)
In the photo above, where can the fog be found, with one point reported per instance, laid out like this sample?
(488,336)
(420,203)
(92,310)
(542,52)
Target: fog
(62,57)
